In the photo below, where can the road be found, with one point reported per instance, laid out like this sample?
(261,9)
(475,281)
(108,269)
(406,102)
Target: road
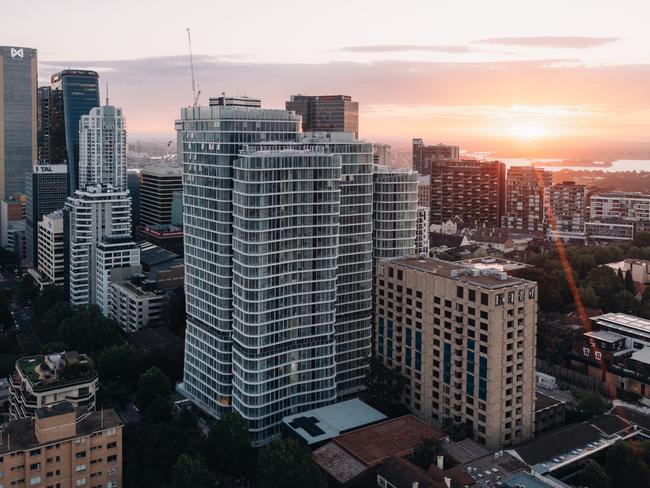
(26,334)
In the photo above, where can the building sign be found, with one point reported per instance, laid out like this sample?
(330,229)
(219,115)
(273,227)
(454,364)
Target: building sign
(50,168)
(17,52)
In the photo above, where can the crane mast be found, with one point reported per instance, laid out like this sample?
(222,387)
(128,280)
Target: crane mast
(196,91)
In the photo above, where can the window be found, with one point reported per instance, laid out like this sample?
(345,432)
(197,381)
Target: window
(598,355)
(80,468)
(111,459)
(112,484)
(80,455)
(586,351)
(34,466)
(35,452)
(111,472)
(111,445)
(34,481)
(80,482)
(485,299)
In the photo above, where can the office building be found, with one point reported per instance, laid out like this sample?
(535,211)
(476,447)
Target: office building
(117,259)
(424,191)
(43,381)
(209,246)
(472,191)
(133,182)
(18,116)
(90,215)
(326,113)
(568,204)
(527,197)
(394,213)
(51,253)
(285,244)
(12,211)
(157,194)
(63,447)
(382,154)
(75,93)
(424,155)
(168,237)
(43,123)
(46,188)
(422,231)
(464,340)
(177,209)
(102,148)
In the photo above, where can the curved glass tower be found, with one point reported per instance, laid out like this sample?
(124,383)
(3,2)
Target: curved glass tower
(285,248)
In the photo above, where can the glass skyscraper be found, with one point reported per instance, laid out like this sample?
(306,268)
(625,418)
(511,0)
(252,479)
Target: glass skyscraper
(18,113)
(75,93)
(248,346)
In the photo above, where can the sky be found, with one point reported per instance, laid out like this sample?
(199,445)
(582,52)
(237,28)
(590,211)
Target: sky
(456,71)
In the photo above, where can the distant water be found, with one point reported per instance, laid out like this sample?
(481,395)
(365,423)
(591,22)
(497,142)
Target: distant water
(616,166)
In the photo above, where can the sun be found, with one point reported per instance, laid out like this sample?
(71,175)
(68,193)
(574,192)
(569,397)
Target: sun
(528,130)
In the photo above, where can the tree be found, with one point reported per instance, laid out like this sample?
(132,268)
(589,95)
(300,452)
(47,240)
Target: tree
(588,297)
(28,290)
(228,447)
(606,285)
(287,464)
(549,294)
(592,404)
(50,296)
(642,239)
(629,282)
(383,386)
(153,386)
(116,364)
(594,476)
(88,330)
(190,472)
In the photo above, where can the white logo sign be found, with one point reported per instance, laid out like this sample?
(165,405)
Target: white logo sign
(17,53)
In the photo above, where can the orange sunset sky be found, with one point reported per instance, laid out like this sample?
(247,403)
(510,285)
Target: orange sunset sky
(465,72)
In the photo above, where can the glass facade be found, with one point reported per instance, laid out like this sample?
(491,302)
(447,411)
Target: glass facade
(75,93)
(285,240)
(221,369)
(18,110)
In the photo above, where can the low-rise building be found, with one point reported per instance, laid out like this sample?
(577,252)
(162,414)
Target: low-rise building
(41,381)
(136,303)
(62,447)
(50,261)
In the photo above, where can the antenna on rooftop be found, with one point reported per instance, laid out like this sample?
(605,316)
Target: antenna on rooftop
(107,94)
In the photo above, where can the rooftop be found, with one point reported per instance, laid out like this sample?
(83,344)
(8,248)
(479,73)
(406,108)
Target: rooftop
(465,451)
(559,445)
(499,264)
(487,278)
(604,335)
(525,480)
(163,170)
(624,323)
(543,401)
(397,437)
(642,355)
(488,470)
(56,370)
(320,424)
(338,463)
(151,254)
(403,474)
(20,434)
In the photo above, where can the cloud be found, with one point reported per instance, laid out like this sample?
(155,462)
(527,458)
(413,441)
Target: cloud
(387,48)
(570,42)
(398,99)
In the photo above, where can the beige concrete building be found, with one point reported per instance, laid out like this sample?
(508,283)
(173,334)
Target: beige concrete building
(136,304)
(465,340)
(63,448)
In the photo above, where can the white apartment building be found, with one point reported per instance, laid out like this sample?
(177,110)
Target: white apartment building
(102,148)
(617,215)
(118,258)
(395,209)
(51,250)
(92,214)
(135,305)
(221,296)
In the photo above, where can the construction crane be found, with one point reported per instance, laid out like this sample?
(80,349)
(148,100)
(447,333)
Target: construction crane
(196,91)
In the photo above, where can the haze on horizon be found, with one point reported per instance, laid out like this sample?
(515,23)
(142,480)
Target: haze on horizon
(503,73)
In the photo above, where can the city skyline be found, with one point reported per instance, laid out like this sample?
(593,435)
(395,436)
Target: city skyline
(508,81)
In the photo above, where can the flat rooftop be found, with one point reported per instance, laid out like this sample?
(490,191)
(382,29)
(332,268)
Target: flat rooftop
(465,451)
(604,335)
(397,437)
(23,437)
(564,443)
(487,278)
(525,480)
(624,323)
(338,463)
(499,264)
(542,401)
(324,423)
